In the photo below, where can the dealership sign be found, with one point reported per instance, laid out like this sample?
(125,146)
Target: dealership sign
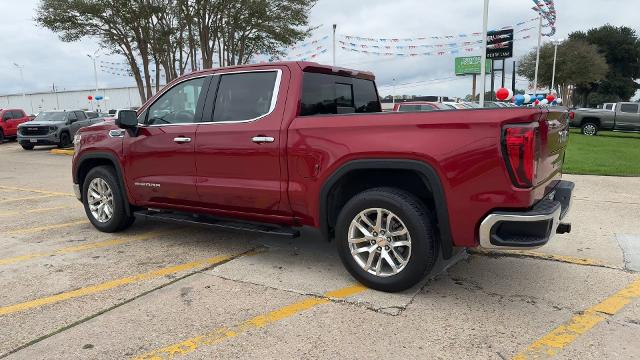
(500,44)
(469,65)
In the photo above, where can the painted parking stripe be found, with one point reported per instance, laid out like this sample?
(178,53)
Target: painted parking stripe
(84,247)
(35,191)
(219,335)
(28,198)
(31,211)
(98,288)
(47,227)
(565,334)
(62,151)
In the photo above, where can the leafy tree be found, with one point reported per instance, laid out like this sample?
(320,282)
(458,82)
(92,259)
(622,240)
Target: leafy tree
(578,64)
(621,48)
(169,35)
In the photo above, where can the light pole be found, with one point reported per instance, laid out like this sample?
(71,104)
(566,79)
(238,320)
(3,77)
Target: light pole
(555,56)
(393,94)
(20,68)
(535,79)
(334,44)
(483,57)
(95,57)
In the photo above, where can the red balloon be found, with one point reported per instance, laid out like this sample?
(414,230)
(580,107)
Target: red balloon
(537,102)
(90,97)
(502,94)
(550,98)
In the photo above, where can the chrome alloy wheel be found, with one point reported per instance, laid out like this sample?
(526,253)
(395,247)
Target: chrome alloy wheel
(589,129)
(100,200)
(379,242)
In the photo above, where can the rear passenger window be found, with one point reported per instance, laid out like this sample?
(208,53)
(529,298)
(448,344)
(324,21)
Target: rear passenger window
(409,108)
(245,96)
(629,108)
(17,114)
(332,94)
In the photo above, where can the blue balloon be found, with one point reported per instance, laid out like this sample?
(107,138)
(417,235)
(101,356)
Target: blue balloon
(540,97)
(99,97)
(519,100)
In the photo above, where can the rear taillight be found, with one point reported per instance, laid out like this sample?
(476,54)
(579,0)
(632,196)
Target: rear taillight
(572,115)
(520,146)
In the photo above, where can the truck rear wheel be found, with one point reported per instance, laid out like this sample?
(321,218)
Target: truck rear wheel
(385,239)
(589,128)
(104,201)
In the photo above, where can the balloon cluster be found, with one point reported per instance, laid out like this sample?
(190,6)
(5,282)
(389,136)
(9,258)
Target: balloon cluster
(550,99)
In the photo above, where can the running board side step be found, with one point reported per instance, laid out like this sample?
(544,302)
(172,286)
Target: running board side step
(213,222)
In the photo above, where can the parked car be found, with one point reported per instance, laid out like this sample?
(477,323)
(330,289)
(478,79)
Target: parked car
(420,106)
(52,128)
(271,148)
(9,121)
(624,117)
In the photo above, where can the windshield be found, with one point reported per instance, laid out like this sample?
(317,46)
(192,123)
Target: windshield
(50,116)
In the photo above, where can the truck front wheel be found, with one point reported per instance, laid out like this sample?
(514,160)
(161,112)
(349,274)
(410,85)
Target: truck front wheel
(385,239)
(104,201)
(589,128)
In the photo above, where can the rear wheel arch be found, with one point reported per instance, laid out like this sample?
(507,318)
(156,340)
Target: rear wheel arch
(90,161)
(593,120)
(418,177)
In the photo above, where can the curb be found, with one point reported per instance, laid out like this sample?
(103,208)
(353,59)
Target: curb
(62,151)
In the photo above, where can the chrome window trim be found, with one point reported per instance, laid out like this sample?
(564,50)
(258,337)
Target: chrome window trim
(272,107)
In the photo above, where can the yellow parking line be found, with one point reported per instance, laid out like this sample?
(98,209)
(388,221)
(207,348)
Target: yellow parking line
(11,213)
(62,151)
(553,342)
(83,247)
(48,227)
(111,284)
(219,335)
(543,256)
(35,191)
(27,198)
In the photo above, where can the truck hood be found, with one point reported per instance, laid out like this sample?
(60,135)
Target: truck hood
(42,123)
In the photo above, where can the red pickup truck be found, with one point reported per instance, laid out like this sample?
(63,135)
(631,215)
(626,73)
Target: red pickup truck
(273,148)
(9,121)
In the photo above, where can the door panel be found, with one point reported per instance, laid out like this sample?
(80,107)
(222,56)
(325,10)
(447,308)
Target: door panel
(160,170)
(627,117)
(238,147)
(160,160)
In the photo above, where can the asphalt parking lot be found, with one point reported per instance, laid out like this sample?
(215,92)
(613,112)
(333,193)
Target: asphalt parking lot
(162,291)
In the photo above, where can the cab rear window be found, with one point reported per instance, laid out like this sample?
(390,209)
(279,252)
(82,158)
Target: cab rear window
(333,94)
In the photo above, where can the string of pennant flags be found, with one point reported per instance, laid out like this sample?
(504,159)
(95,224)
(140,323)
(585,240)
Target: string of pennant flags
(353,38)
(547,10)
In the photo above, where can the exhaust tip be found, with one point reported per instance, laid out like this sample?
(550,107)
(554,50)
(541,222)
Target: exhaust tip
(563,228)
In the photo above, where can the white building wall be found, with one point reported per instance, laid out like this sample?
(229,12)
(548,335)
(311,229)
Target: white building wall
(119,98)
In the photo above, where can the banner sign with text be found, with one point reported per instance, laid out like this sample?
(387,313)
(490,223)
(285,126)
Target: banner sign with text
(500,44)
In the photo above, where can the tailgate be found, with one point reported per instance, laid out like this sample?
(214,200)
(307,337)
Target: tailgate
(554,136)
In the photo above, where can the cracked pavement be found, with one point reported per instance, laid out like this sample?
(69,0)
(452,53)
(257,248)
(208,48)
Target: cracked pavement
(288,299)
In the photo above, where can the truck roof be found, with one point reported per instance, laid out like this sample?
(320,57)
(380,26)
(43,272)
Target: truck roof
(303,65)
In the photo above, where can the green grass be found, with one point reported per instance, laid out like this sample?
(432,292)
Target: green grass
(608,153)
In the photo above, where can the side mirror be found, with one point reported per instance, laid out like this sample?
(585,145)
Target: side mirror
(127,119)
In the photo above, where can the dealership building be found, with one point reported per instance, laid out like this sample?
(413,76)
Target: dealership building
(113,98)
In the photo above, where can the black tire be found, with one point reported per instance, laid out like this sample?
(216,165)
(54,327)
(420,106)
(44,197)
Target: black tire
(27,146)
(119,219)
(417,220)
(589,128)
(1,136)
(65,140)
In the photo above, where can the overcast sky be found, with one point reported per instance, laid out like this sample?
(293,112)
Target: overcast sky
(48,60)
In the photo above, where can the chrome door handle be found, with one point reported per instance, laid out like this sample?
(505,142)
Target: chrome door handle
(262,139)
(182,140)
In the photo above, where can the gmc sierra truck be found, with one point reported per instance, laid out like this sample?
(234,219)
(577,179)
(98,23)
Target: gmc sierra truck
(273,148)
(623,116)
